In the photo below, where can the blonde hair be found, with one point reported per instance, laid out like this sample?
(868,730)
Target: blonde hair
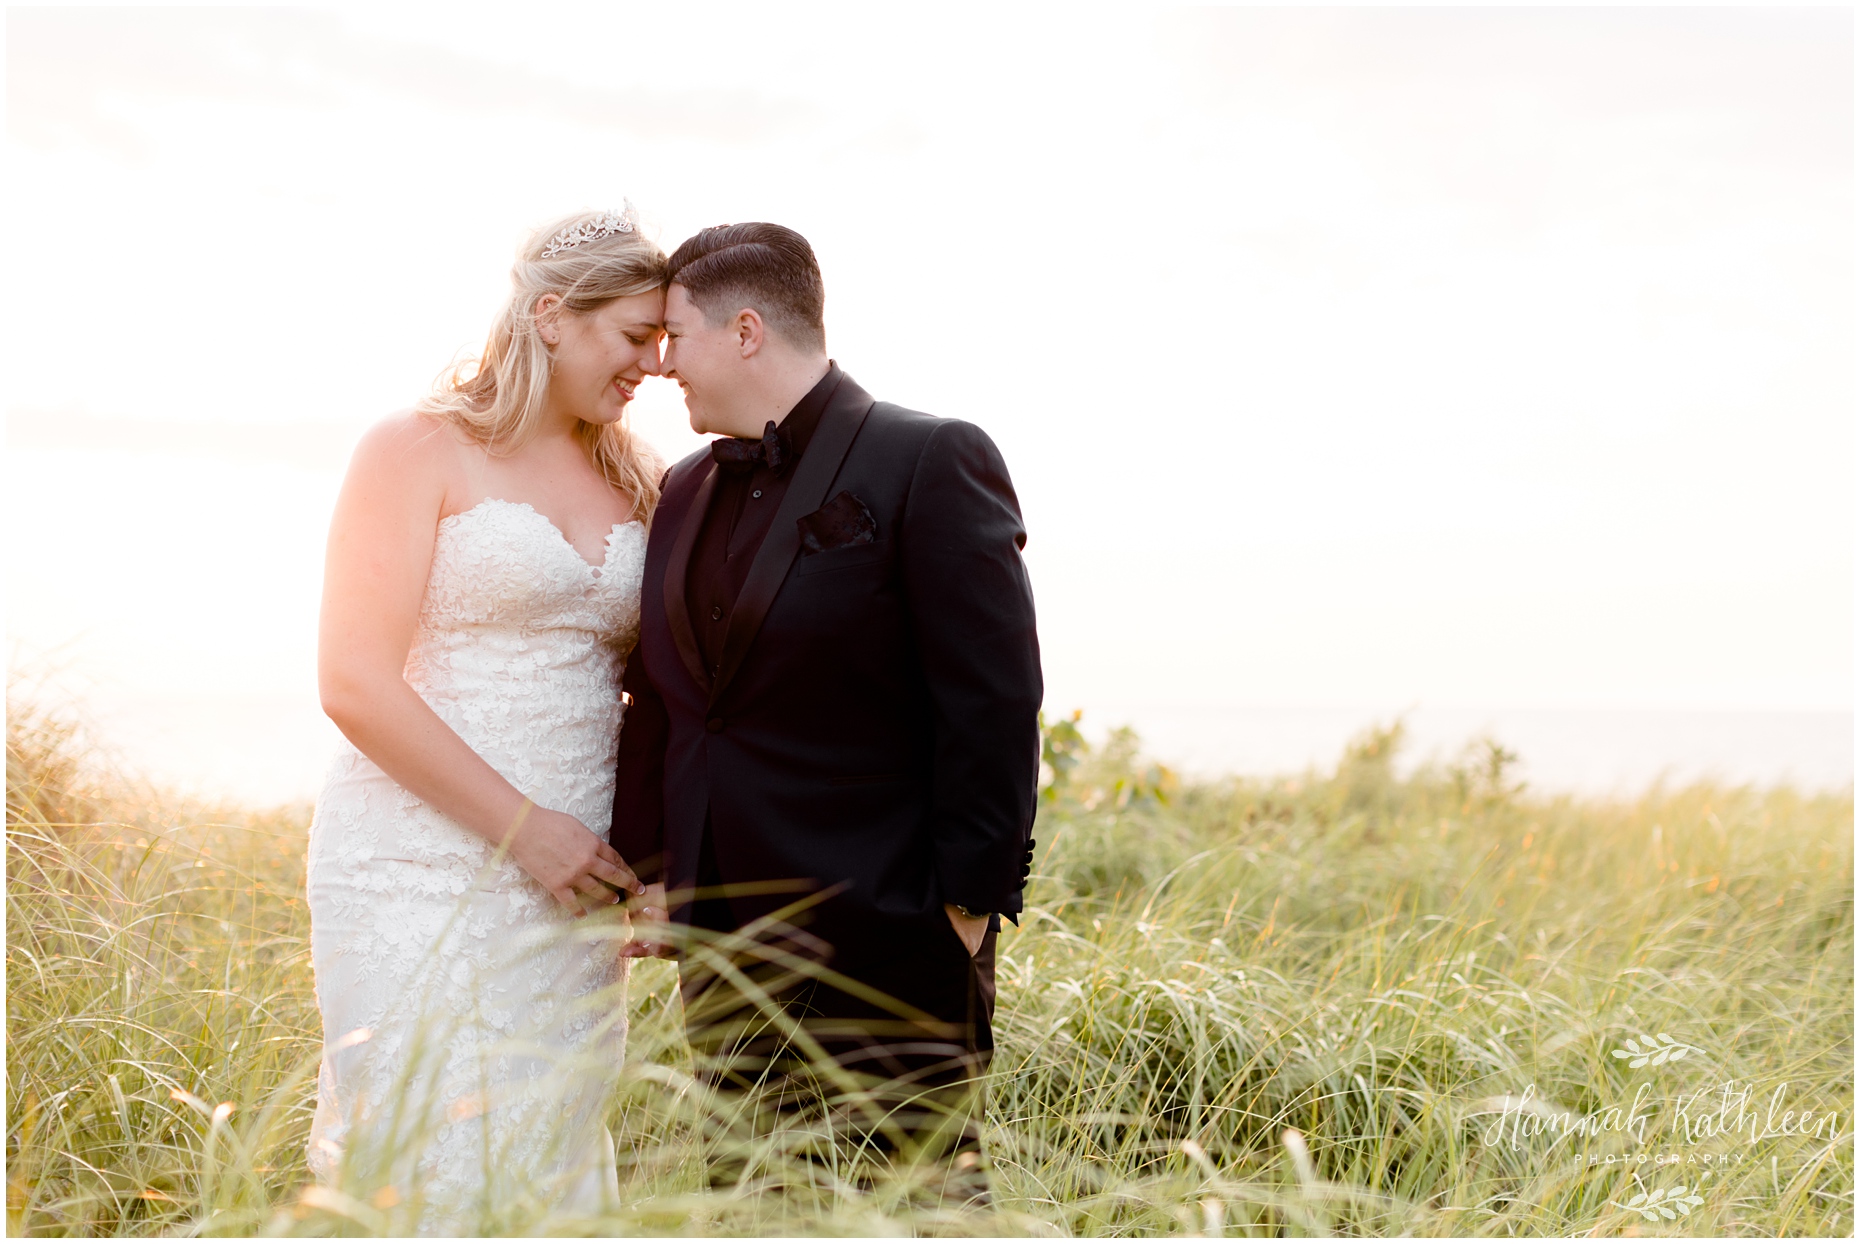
(498,398)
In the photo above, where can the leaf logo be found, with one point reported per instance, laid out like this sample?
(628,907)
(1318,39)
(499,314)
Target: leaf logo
(1667,1203)
(1653,1051)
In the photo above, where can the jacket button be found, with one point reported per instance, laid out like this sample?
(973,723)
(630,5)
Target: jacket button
(714,725)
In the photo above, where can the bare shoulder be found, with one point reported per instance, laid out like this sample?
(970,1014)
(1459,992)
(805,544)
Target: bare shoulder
(419,453)
(410,442)
(407,439)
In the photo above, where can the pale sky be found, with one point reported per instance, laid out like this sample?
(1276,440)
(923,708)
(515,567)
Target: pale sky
(1373,357)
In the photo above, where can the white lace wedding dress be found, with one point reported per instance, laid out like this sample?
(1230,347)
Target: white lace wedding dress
(471,1026)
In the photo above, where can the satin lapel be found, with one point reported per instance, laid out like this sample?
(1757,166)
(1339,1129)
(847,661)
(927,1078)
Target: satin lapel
(677,609)
(832,438)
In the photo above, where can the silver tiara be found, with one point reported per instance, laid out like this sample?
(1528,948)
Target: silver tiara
(603,226)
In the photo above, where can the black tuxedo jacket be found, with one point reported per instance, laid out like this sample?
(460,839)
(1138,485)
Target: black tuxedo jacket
(871,730)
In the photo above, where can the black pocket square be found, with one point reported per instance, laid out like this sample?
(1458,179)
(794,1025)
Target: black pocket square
(839,524)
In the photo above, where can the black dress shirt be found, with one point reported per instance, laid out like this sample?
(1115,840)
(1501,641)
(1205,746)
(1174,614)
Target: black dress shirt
(739,518)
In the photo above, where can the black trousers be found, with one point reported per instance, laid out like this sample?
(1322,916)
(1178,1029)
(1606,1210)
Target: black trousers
(894,1056)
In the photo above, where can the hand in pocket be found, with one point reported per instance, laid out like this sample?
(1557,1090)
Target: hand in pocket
(971,929)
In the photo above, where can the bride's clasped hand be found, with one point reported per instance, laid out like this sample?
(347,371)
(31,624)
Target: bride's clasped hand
(563,856)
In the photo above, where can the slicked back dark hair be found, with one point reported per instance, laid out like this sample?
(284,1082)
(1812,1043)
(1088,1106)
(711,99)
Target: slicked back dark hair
(768,267)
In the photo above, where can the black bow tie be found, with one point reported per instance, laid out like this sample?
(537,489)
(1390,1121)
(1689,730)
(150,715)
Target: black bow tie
(738,456)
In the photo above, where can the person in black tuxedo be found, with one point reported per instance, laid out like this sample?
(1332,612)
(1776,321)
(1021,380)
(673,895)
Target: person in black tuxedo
(832,740)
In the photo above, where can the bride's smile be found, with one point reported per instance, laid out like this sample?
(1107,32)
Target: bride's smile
(599,357)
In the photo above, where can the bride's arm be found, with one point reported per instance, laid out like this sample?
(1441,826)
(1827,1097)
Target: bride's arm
(380,553)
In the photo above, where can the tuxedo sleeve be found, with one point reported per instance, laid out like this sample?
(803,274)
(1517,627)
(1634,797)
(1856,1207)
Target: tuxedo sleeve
(638,828)
(971,610)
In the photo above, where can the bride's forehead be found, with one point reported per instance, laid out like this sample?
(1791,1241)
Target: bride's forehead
(636,311)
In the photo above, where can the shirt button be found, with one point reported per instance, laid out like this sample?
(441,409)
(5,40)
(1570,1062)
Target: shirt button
(714,725)
(757,494)
(716,612)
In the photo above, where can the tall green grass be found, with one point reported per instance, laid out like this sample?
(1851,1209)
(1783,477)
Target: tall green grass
(1344,1003)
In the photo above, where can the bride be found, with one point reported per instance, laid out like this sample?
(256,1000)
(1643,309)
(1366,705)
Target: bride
(481,592)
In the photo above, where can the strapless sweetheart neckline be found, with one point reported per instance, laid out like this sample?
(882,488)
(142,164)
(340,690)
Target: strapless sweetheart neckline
(607,545)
